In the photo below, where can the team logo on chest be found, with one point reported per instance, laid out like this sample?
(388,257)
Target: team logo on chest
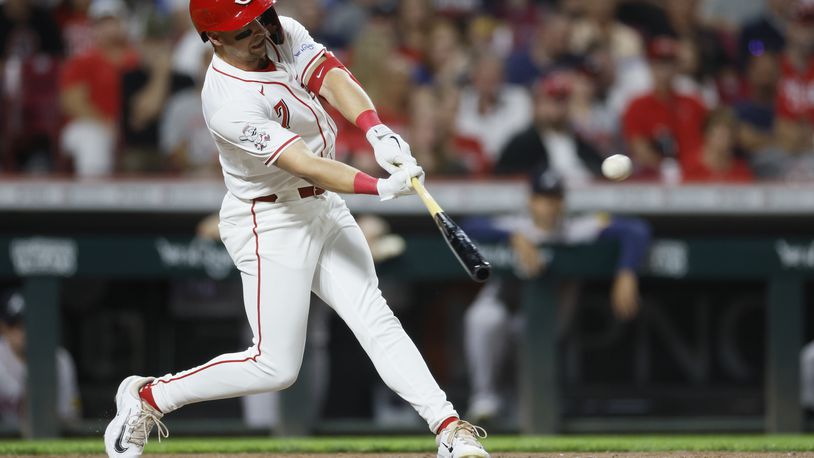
(282,111)
(260,139)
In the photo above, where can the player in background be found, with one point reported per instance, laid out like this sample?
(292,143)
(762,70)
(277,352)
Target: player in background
(13,368)
(285,227)
(488,323)
(807,377)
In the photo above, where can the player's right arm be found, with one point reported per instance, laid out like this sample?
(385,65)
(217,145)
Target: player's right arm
(342,178)
(247,125)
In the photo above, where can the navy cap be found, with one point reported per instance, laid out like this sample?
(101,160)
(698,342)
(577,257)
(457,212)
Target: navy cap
(757,116)
(547,183)
(12,306)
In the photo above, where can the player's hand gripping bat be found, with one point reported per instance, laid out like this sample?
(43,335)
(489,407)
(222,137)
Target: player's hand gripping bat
(467,253)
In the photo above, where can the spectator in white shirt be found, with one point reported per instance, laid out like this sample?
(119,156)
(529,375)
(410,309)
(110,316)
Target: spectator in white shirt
(490,110)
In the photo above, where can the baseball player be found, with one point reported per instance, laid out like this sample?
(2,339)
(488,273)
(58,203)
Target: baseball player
(285,227)
(489,324)
(13,368)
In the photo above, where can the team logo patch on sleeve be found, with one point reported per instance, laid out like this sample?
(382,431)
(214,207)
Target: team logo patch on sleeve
(260,139)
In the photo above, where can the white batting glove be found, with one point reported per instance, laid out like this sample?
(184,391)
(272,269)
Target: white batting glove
(390,149)
(400,182)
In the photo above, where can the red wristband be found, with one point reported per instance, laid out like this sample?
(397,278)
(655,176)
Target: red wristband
(368,119)
(365,184)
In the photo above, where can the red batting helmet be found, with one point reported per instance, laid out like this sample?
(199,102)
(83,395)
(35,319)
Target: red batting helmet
(225,15)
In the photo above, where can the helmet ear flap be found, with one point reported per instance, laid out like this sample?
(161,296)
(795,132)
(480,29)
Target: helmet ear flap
(270,17)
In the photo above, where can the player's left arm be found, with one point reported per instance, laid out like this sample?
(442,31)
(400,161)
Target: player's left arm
(634,237)
(331,80)
(323,74)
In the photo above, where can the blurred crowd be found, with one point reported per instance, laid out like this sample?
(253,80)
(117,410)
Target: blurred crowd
(691,90)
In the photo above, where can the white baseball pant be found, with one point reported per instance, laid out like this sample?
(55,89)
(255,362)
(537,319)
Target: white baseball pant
(284,250)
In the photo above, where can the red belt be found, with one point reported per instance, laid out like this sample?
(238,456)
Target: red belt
(307,191)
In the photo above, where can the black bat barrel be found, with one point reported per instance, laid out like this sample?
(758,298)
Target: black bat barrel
(467,253)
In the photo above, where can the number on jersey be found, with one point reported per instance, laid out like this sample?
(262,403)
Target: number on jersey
(283,113)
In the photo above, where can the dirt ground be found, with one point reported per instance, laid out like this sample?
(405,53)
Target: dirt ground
(494,455)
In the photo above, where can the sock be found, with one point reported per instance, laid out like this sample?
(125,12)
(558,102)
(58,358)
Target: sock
(146,395)
(446,423)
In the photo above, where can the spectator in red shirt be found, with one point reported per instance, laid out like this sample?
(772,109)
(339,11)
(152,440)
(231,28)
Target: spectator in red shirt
(719,158)
(663,129)
(794,104)
(30,47)
(412,25)
(91,91)
(72,17)
(27,29)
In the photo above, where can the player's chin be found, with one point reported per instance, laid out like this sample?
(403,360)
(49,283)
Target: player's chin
(258,53)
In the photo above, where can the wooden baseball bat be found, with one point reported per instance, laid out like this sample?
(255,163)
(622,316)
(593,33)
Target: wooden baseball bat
(467,253)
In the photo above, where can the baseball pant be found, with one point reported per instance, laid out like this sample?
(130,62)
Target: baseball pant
(487,332)
(284,251)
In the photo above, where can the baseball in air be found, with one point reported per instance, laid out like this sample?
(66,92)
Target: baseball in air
(617,167)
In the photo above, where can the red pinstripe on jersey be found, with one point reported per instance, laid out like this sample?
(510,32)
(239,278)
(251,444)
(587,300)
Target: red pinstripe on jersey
(310,63)
(333,130)
(316,118)
(259,329)
(281,148)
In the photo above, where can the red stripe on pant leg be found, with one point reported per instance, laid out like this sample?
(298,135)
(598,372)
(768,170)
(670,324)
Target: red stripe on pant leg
(259,333)
(257,253)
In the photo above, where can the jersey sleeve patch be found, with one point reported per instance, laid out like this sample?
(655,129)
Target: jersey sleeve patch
(256,137)
(305,50)
(245,128)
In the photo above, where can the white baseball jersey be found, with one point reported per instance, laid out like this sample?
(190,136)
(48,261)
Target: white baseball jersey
(572,229)
(255,116)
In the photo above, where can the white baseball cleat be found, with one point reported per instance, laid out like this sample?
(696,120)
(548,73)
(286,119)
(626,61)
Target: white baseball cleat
(127,433)
(460,440)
